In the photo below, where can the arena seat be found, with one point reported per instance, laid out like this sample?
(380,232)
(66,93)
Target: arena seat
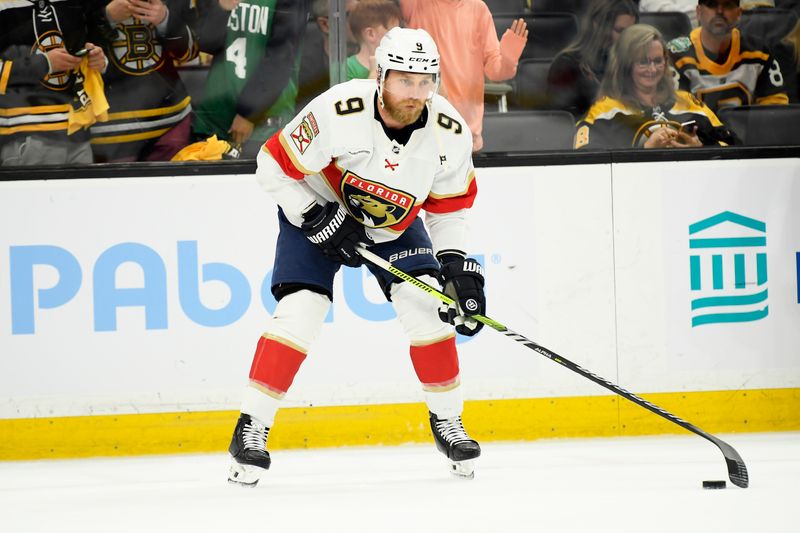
(505,6)
(768,23)
(764,125)
(671,24)
(548,33)
(530,85)
(525,131)
(576,7)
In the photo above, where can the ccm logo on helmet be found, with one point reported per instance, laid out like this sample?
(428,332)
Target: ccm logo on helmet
(419,59)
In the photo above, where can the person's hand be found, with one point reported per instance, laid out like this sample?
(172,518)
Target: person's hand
(661,138)
(462,280)
(62,61)
(686,140)
(520,28)
(241,129)
(97,57)
(152,11)
(229,5)
(335,232)
(119,10)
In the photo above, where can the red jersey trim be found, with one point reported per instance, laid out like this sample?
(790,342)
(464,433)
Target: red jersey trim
(276,147)
(449,204)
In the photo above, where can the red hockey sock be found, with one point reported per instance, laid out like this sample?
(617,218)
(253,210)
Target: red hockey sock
(275,364)
(436,364)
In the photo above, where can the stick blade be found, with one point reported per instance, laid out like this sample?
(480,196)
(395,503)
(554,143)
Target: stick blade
(737,471)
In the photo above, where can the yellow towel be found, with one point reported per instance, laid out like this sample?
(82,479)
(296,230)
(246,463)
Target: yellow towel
(89,104)
(212,149)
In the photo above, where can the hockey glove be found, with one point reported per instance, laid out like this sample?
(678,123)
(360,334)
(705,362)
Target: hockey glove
(335,232)
(462,280)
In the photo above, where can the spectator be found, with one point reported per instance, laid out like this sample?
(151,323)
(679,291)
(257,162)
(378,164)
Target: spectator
(723,67)
(683,6)
(465,33)
(576,72)
(252,83)
(150,117)
(315,76)
(369,21)
(776,33)
(50,73)
(638,105)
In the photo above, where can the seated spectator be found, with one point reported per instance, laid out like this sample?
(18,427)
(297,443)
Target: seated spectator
(723,67)
(465,34)
(576,72)
(251,87)
(683,6)
(369,21)
(50,85)
(638,105)
(780,37)
(150,109)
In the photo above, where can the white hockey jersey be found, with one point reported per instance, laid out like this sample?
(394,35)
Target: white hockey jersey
(335,150)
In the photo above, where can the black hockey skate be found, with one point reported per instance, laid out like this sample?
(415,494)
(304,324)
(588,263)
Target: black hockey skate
(248,450)
(452,440)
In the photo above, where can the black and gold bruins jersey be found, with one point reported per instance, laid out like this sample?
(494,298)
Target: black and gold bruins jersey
(31,99)
(750,74)
(611,124)
(145,94)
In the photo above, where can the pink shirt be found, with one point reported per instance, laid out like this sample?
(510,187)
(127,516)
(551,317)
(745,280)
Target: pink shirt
(465,35)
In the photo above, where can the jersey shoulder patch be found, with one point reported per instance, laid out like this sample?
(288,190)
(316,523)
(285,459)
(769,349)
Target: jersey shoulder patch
(679,45)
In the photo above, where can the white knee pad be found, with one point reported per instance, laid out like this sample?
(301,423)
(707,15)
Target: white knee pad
(299,317)
(418,312)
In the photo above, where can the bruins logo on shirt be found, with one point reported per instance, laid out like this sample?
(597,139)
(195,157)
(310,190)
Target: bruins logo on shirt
(57,81)
(136,50)
(651,126)
(373,204)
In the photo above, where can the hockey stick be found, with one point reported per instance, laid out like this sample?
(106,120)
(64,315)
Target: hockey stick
(737,471)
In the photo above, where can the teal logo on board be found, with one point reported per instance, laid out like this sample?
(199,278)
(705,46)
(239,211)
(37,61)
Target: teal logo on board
(728,269)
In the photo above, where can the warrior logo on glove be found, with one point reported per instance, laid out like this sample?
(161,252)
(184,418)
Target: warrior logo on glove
(462,280)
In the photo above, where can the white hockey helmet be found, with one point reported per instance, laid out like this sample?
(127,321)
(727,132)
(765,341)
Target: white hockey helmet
(407,50)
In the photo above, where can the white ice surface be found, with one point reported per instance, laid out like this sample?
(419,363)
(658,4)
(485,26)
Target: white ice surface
(646,484)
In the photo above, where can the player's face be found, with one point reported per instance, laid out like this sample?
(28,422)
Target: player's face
(405,94)
(649,69)
(718,17)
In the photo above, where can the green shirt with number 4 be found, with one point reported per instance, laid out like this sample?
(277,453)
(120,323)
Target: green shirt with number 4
(254,73)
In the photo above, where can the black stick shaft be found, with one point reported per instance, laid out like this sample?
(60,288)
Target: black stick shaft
(737,471)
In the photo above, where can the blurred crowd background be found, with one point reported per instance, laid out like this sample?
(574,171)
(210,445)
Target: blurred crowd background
(85,82)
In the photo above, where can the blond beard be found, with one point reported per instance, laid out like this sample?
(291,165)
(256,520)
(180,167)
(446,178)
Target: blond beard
(403,116)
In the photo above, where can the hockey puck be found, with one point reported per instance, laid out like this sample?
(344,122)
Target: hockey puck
(714,484)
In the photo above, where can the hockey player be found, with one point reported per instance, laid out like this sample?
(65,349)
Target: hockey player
(723,67)
(356,166)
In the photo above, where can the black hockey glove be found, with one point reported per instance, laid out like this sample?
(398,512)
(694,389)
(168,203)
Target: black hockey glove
(462,280)
(335,232)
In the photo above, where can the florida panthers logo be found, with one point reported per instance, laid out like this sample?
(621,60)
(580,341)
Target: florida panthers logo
(373,204)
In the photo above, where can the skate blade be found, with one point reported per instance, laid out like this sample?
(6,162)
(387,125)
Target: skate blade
(244,475)
(462,469)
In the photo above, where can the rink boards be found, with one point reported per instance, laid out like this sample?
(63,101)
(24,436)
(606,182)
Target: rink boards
(139,301)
